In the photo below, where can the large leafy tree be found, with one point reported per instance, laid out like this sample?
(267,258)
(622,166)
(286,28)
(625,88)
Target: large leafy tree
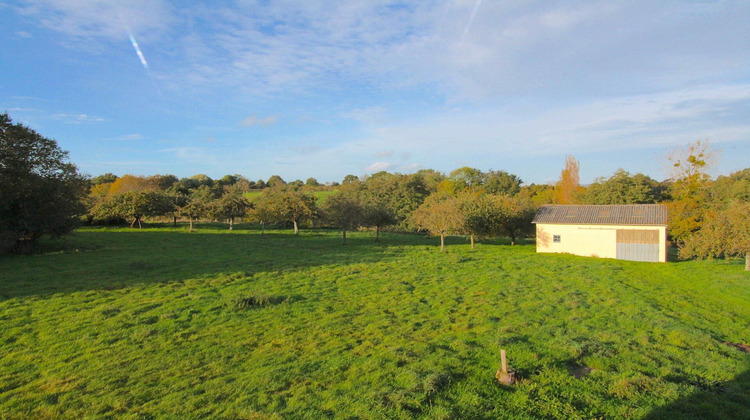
(690,186)
(502,182)
(623,188)
(41,192)
(401,194)
(568,186)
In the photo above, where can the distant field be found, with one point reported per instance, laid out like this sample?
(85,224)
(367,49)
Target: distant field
(320,195)
(161,323)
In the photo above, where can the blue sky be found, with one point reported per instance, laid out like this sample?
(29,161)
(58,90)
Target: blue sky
(324,89)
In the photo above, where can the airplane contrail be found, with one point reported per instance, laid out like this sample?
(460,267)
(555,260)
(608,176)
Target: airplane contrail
(138,50)
(471,18)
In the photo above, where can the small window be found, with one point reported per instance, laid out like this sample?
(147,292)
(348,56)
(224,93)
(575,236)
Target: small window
(556,239)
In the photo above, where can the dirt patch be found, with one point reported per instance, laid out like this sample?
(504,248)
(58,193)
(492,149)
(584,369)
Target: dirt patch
(745,348)
(579,371)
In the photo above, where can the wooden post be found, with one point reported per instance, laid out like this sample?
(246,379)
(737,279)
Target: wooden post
(503,375)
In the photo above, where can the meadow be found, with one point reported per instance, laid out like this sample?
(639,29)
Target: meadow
(162,323)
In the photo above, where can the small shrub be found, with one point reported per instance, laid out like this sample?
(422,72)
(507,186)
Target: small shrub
(256,301)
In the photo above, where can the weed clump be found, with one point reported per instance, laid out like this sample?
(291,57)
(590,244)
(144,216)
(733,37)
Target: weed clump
(255,301)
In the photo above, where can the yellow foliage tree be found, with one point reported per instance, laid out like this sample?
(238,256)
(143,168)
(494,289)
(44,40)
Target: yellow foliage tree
(569,184)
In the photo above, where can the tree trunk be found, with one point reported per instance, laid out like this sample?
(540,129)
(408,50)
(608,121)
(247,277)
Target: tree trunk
(512,239)
(472,241)
(262,230)
(231,223)
(747,261)
(296,229)
(442,242)
(343,232)
(174,221)
(191,223)
(136,219)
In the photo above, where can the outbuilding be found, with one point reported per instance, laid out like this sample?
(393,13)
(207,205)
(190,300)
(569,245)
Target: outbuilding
(635,232)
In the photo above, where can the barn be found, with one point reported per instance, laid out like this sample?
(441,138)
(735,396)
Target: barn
(636,232)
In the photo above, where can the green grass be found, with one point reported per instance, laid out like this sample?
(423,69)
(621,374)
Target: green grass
(161,323)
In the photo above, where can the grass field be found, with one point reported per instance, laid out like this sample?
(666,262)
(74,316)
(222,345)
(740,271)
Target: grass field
(161,323)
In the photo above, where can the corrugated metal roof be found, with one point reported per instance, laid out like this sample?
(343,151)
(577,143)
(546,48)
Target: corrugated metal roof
(620,214)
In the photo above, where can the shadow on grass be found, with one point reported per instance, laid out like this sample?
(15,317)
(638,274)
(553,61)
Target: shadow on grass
(727,400)
(115,258)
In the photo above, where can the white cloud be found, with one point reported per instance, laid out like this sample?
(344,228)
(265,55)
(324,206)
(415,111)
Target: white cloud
(378,166)
(78,118)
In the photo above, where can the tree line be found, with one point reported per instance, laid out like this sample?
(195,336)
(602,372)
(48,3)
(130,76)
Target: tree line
(41,192)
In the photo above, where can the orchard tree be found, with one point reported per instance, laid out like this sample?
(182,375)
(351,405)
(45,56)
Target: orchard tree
(343,211)
(480,215)
(377,215)
(231,205)
(516,215)
(265,209)
(441,215)
(41,192)
(135,205)
(198,204)
(725,233)
(296,207)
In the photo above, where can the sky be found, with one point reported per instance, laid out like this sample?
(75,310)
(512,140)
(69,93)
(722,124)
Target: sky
(324,89)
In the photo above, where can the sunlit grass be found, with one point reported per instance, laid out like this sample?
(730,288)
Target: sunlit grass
(219,324)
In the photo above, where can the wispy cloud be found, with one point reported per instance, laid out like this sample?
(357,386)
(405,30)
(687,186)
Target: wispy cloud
(129,137)
(194,156)
(384,153)
(78,118)
(97,19)
(534,48)
(254,120)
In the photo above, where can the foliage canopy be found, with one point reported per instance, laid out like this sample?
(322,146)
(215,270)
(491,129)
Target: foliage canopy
(40,191)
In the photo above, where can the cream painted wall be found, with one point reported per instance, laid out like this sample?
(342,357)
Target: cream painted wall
(590,240)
